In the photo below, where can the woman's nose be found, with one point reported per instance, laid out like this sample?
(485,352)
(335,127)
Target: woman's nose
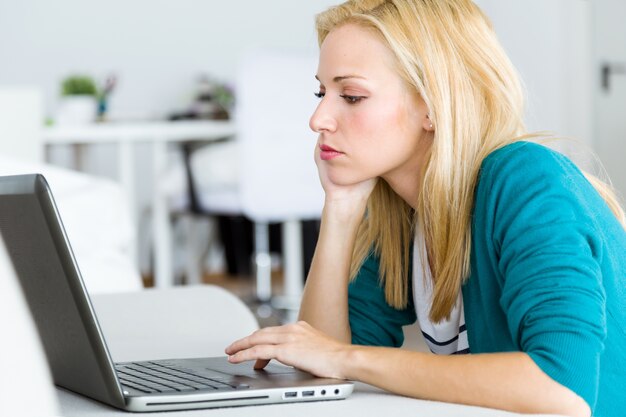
(322,120)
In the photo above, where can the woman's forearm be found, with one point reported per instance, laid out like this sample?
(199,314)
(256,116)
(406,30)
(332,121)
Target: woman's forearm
(508,381)
(325,298)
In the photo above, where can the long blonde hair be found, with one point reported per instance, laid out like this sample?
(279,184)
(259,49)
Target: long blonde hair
(446,50)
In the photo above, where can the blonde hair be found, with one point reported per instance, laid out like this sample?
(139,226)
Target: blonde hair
(448,51)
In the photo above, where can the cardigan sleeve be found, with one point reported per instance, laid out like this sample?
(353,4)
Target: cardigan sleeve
(373,321)
(549,245)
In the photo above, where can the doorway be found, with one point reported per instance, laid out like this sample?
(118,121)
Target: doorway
(609,46)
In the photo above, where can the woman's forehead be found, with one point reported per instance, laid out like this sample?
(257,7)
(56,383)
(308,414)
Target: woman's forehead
(356,52)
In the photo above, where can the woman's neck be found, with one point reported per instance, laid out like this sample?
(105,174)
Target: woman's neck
(406,181)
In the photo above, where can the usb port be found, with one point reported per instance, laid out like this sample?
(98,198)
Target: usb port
(308,393)
(291,394)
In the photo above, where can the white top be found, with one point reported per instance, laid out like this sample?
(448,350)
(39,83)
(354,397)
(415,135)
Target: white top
(449,336)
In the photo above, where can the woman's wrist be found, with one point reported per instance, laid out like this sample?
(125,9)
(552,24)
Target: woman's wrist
(344,211)
(353,361)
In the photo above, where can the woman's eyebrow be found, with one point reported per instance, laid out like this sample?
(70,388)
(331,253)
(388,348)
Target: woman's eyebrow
(340,78)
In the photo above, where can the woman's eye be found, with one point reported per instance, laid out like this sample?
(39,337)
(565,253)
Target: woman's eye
(351,99)
(320,94)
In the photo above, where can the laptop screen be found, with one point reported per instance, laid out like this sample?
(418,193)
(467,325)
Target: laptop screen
(51,282)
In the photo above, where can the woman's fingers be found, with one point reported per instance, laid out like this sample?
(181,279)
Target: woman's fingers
(261,363)
(298,345)
(262,352)
(269,335)
(265,344)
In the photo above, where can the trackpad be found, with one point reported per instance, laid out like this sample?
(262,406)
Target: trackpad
(220,368)
(247,369)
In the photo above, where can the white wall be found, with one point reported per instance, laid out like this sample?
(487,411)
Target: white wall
(157,47)
(549,41)
(610,124)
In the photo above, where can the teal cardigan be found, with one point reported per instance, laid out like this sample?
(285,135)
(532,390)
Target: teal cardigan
(548,277)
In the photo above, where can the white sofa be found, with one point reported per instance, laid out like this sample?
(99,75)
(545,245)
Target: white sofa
(97,221)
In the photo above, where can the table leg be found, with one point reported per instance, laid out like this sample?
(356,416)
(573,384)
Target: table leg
(263,261)
(292,254)
(161,228)
(79,156)
(127,179)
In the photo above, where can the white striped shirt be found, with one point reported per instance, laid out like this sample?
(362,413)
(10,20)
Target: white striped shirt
(449,336)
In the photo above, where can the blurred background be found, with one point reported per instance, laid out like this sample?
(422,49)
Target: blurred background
(175,134)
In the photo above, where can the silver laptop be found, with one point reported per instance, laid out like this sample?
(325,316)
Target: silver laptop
(74,344)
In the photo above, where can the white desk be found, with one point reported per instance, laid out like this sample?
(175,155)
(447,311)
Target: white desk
(174,314)
(158,134)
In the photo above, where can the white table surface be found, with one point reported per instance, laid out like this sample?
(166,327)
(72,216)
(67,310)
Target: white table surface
(159,134)
(365,401)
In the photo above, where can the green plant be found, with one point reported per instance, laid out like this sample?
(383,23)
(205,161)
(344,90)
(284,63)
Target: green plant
(78,85)
(224,95)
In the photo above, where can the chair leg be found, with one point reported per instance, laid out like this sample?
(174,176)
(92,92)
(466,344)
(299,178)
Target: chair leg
(310,234)
(292,251)
(236,236)
(194,252)
(263,262)
(293,270)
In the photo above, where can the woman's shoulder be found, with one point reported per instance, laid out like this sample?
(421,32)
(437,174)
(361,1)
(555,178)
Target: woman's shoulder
(529,166)
(526,180)
(522,155)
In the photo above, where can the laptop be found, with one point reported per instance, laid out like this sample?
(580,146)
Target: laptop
(75,346)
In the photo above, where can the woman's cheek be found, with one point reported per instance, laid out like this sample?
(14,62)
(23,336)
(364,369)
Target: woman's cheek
(369,126)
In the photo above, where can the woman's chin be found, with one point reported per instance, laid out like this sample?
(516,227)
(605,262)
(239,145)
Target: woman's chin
(346,180)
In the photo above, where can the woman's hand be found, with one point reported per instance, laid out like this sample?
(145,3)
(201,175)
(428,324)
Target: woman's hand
(298,345)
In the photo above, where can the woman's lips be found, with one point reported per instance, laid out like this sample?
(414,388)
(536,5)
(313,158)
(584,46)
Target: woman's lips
(327,153)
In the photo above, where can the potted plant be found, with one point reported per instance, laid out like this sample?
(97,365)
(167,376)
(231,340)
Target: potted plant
(79,100)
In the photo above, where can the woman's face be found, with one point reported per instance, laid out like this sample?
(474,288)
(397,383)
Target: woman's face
(370,123)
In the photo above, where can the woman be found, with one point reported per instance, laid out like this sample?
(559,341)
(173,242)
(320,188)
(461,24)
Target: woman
(437,208)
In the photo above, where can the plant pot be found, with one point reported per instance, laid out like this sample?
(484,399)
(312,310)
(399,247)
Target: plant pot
(76,110)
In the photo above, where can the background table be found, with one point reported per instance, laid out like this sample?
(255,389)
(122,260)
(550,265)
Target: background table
(170,309)
(124,135)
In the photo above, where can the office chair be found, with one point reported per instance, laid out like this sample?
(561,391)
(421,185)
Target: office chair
(278,180)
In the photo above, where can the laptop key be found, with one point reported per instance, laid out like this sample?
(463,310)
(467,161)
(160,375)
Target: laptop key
(189,374)
(143,384)
(170,379)
(198,385)
(216,383)
(184,375)
(158,380)
(146,390)
(159,387)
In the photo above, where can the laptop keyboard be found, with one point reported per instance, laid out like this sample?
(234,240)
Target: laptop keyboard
(152,377)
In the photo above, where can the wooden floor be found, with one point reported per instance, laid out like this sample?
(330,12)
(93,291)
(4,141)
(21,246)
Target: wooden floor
(243,286)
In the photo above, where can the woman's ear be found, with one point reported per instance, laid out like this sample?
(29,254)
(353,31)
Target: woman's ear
(427,124)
